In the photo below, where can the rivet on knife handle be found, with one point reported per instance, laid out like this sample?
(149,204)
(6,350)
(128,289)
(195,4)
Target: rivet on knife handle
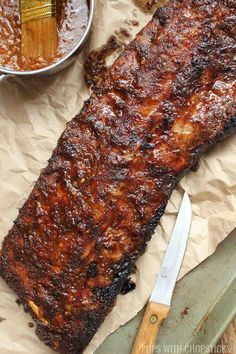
(146,337)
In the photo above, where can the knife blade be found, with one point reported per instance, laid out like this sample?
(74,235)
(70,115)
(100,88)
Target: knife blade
(171,264)
(159,303)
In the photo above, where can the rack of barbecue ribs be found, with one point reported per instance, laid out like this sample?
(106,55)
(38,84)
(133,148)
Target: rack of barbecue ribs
(168,97)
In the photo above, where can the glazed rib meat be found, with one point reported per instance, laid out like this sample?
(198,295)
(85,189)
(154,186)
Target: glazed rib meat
(168,97)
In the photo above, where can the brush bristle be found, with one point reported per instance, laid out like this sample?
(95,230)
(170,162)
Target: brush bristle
(39,38)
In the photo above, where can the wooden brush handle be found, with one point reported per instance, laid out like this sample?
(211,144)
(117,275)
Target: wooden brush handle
(148,330)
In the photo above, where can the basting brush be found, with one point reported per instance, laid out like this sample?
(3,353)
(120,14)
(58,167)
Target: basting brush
(39,29)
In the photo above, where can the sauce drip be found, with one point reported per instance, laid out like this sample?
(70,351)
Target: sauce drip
(72,19)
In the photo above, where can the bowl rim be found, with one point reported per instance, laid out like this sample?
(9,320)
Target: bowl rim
(4,70)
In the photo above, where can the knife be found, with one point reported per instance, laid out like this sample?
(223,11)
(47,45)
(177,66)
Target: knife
(159,303)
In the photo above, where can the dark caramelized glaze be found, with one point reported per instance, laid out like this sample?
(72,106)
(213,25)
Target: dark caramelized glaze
(72,18)
(95,65)
(168,97)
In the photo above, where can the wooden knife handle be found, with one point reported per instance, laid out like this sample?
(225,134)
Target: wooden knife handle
(148,330)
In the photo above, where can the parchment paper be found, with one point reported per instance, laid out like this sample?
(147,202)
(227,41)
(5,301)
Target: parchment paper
(33,113)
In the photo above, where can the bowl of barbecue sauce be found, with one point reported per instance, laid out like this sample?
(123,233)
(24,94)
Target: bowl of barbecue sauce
(74,19)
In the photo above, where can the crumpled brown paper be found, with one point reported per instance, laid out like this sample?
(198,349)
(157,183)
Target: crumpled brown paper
(33,113)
